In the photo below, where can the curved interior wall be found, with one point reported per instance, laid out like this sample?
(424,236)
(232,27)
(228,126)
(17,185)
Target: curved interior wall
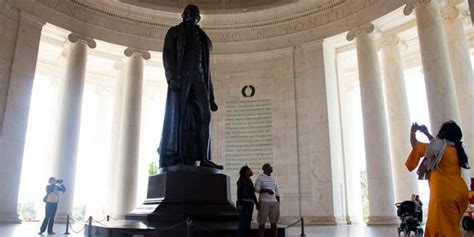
(281,58)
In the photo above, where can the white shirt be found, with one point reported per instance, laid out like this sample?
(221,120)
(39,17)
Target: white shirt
(53,196)
(267,182)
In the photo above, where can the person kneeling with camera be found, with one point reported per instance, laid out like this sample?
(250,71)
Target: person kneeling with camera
(51,199)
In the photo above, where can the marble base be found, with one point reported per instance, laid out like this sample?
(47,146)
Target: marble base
(320,220)
(62,218)
(383,220)
(9,217)
(127,228)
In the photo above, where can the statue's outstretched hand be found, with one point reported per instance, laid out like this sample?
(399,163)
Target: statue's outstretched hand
(214,106)
(174,84)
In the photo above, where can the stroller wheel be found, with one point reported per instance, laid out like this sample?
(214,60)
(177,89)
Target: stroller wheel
(406,232)
(466,223)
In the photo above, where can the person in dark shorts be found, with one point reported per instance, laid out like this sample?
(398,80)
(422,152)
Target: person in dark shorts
(245,200)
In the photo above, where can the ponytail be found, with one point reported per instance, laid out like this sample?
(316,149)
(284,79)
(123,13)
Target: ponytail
(463,160)
(452,132)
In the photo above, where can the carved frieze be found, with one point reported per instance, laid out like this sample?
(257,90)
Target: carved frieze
(308,19)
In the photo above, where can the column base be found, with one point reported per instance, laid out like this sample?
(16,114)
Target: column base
(355,220)
(117,216)
(340,220)
(320,220)
(348,220)
(9,217)
(311,220)
(62,218)
(383,220)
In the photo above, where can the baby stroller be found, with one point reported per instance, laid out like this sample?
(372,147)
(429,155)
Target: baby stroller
(410,218)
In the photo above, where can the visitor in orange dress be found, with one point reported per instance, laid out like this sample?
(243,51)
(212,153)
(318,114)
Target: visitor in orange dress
(448,191)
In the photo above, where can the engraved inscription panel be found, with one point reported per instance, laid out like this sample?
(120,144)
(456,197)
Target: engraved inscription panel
(248,134)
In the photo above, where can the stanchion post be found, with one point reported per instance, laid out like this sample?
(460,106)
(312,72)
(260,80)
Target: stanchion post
(188,227)
(302,228)
(108,217)
(89,234)
(67,225)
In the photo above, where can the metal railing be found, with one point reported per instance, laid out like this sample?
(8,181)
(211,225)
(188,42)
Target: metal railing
(301,221)
(188,224)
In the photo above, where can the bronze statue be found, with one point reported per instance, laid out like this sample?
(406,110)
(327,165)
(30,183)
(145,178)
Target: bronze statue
(190,100)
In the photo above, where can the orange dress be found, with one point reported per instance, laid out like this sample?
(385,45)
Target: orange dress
(448,193)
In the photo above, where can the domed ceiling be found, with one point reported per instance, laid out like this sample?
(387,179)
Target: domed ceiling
(210,6)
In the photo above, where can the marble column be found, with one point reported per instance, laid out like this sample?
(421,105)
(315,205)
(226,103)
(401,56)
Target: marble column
(439,82)
(377,149)
(398,116)
(462,73)
(18,55)
(114,136)
(353,194)
(99,143)
(129,139)
(339,185)
(70,119)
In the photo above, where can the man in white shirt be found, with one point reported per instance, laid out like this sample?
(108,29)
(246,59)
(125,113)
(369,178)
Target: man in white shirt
(269,199)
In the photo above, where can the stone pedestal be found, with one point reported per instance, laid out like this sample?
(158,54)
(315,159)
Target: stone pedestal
(182,201)
(181,192)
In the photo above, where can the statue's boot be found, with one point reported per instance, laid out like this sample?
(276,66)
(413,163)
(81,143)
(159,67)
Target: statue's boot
(208,163)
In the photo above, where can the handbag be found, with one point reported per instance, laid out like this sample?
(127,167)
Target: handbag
(422,171)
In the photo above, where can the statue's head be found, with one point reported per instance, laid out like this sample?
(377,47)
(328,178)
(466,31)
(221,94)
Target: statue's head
(191,14)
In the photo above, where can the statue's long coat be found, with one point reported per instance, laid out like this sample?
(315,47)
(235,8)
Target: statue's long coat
(176,101)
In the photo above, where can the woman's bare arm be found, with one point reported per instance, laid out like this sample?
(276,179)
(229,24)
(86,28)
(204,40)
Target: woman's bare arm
(425,131)
(413,129)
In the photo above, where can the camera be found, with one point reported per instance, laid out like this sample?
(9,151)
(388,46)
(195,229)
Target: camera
(59,181)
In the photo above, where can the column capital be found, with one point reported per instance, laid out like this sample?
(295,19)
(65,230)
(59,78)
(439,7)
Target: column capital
(77,38)
(450,13)
(145,54)
(389,40)
(446,3)
(363,29)
(119,65)
(412,4)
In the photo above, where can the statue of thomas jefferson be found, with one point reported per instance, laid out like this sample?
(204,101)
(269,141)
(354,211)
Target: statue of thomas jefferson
(190,100)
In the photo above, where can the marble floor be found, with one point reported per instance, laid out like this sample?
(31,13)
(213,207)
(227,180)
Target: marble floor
(31,230)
